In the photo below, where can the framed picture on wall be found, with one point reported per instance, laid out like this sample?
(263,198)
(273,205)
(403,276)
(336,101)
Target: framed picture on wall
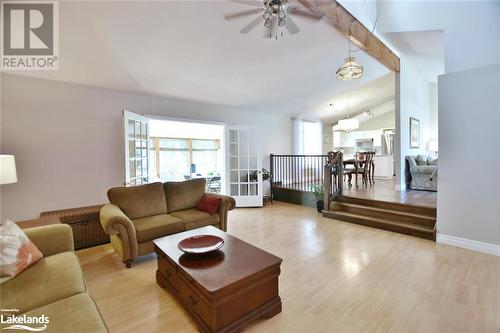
(414,133)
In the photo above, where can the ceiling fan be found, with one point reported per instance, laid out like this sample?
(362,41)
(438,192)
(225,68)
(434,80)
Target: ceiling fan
(276,14)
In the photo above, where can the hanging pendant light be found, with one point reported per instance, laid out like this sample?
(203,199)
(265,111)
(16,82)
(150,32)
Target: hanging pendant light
(349,70)
(348,124)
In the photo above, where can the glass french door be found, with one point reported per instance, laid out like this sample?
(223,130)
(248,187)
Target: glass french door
(137,149)
(244,165)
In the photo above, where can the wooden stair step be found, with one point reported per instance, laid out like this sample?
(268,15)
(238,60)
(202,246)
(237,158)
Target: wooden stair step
(408,217)
(393,206)
(421,231)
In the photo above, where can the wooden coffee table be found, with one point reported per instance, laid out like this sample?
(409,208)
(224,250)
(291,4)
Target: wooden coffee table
(225,290)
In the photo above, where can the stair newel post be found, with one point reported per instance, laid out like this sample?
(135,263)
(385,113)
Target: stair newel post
(341,172)
(327,181)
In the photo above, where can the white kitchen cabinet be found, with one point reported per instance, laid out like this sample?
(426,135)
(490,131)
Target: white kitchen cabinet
(384,166)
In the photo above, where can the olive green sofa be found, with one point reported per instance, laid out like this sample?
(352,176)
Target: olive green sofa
(137,215)
(53,286)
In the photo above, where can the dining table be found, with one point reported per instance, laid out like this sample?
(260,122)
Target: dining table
(357,164)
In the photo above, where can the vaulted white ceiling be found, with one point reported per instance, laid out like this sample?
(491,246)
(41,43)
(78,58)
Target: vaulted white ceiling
(185,49)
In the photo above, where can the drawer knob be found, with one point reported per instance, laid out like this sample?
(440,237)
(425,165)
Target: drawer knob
(193,300)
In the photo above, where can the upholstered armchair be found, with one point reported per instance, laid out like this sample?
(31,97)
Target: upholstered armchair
(422,171)
(137,215)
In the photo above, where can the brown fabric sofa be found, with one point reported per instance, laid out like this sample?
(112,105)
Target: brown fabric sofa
(54,286)
(137,215)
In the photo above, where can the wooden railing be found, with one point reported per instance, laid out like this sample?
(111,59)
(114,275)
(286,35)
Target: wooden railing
(297,172)
(333,177)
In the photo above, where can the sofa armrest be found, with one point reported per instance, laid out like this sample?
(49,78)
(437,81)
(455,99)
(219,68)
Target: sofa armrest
(51,239)
(423,169)
(112,217)
(115,222)
(226,205)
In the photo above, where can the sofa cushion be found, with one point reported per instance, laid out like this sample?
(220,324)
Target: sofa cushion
(432,160)
(152,227)
(194,218)
(184,195)
(139,201)
(50,279)
(421,160)
(75,314)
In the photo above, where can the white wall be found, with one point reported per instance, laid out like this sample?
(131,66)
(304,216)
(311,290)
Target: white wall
(432,127)
(68,139)
(413,101)
(469,26)
(469,181)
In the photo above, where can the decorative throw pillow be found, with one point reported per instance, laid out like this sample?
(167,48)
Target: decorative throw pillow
(209,204)
(421,160)
(432,160)
(17,252)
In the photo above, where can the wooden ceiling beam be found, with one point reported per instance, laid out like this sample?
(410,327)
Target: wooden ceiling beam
(349,26)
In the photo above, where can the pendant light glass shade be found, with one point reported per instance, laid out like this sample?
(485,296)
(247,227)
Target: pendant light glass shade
(349,70)
(348,124)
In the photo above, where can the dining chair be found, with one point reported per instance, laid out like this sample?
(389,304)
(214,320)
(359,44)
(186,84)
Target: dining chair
(362,166)
(214,184)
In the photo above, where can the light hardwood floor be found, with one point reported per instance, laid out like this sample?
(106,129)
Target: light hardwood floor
(336,277)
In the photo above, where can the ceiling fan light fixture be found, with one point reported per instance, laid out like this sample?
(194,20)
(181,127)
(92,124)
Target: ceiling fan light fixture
(349,70)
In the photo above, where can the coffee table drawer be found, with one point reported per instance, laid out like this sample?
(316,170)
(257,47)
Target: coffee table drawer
(169,273)
(193,300)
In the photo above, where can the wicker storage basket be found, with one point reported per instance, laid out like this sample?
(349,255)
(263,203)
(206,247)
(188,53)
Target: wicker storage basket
(87,229)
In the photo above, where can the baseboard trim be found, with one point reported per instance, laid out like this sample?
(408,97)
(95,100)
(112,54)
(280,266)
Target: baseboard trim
(469,244)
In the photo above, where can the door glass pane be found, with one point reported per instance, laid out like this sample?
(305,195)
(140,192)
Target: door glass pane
(234,176)
(234,149)
(243,162)
(144,131)
(244,149)
(253,162)
(138,168)
(254,189)
(131,124)
(138,151)
(233,136)
(243,136)
(244,176)
(234,189)
(253,176)
(234,163)
(144,166)
(137,130)
(244,189)
(131,148)
(132,168)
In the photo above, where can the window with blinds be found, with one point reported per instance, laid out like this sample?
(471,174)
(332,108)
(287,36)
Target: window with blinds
(181,158)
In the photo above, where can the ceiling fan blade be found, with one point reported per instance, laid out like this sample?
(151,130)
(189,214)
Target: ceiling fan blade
(242,13)
(252,24)
(306,14)
(254,3)
(291,26)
